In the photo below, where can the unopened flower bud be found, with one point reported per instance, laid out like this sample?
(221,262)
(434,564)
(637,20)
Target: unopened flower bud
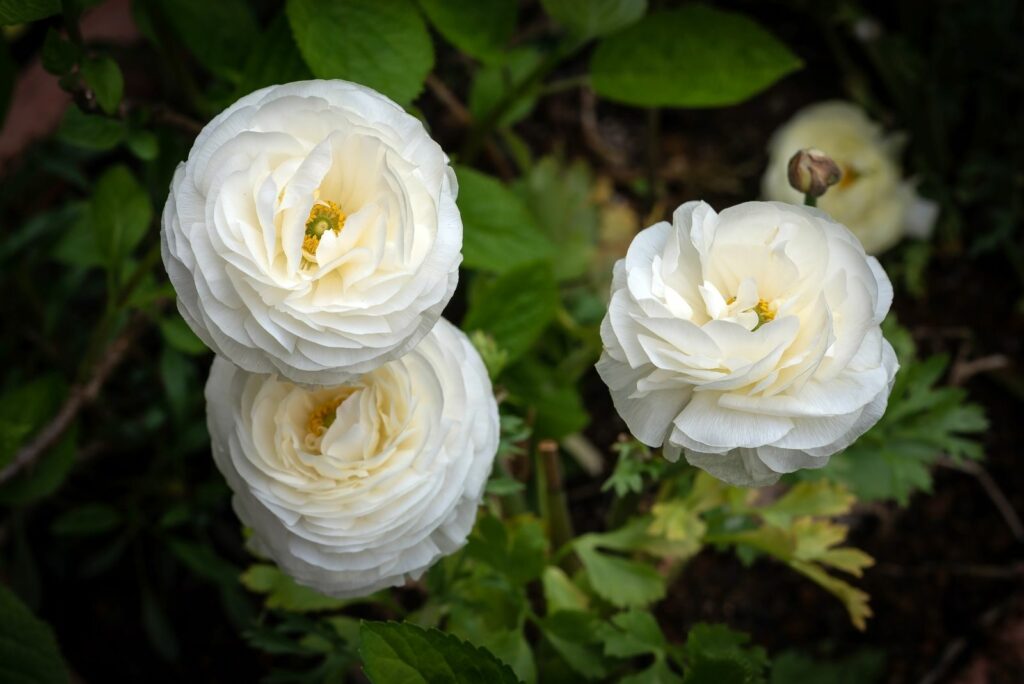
(812,171)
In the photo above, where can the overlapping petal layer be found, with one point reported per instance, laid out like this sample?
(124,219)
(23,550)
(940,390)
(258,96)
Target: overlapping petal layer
(261,284)
(357,487)
(748,341)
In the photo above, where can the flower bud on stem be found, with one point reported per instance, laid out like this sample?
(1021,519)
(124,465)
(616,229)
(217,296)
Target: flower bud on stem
(812,172)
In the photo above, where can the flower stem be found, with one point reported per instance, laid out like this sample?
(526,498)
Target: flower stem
(810,200)
(554,508)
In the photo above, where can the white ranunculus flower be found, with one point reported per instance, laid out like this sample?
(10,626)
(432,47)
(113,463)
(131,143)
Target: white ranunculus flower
(313,232)
(872,198)
(748,340)
(356,487)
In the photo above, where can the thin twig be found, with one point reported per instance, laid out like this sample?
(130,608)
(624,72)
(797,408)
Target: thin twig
(444,94)
(78,398)
(963,371)
(995,493)
(464,118)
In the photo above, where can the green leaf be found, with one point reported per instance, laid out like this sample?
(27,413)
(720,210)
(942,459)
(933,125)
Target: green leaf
(103,76)
(809,498)
(395,652)
(515,548)
(924,421)
(499,232)
(221,35)
(560,593)
(865,667)
(90,131)
(87,520)
(560,196)
(493,82)
(575,635)
(179,336)
(658,673)
(679,523)
(204,562)
(855,600)
(284,594)
(383,44)
(480,28)
(693,56)
(632,634)
(715,654)
(28,651)
(59,54)
(143,144)
(119,213)
(277,61)
(515,307)
(22,11)
(592,18)
(623,582)
(23,410)
(556,401)
(44,477)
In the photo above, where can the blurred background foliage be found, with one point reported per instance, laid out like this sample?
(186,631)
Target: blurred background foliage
(572,124)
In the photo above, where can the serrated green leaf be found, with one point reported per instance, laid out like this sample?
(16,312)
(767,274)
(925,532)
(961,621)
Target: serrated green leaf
(715,653)
(23,11)
(87,520)
(560,593)
(499,232)
(28,650)
(693,56)
(623,582)
(383,44)
(658,673)
(515,548)
(592,18)
(395,652)
(480,28)
(515,307)
(575,636)
(90,131)
(855,600)
(632,634)
(103,76)
(809,498)
(282,592)
(680,524)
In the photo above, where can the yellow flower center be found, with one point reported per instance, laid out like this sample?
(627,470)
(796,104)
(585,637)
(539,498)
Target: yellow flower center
(763,309)
(324,216)
(322,417)
(764,313)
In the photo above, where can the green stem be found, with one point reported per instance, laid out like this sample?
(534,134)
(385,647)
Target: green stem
(810,200)
(485,126)
(554,507)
